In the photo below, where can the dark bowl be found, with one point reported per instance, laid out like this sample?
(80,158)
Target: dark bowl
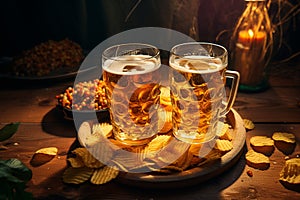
(84,115)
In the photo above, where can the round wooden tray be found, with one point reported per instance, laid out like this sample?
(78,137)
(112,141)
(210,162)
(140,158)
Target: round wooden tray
(197,174)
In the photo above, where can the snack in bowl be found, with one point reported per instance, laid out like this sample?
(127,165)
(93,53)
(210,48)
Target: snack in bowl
(158,157)
(48,57)
(84,98)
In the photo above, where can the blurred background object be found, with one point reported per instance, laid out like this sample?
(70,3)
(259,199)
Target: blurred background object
(89,22)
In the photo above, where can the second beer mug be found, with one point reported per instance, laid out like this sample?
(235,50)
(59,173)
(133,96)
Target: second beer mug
(130,72)
(198,95)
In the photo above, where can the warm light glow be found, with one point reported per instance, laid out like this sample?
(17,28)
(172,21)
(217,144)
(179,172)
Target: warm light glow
(250,32)
(248,36)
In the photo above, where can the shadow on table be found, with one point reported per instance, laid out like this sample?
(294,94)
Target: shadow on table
(54,123)
(210,189)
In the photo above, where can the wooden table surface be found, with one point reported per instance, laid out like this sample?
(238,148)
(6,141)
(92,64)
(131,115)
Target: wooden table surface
(42,125)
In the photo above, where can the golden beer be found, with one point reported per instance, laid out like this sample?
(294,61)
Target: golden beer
(197,91)
(198,95)
(132,89)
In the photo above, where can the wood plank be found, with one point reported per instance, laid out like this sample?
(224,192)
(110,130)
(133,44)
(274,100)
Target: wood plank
(29,104)
(265,184)
(234,183)
(285,74)
(278,104)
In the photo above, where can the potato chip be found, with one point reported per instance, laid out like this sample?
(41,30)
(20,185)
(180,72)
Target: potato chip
(291,171)
(224,131)
(87,158)
(76,162)
(101,147)
(285,142)
(156,145)
(77,175)
(144,167)
(223,145)
(49,151)
(195,149)
(212,156)
(103,128)
(128,160)
(104,175)
(180,161)
(196,160)
(84,132)
(165,121)
(248,124)
(262,144)
(188,160)
(257,160)
(261,141)
(173,151)
(43,156)
(284,137)
(165,98)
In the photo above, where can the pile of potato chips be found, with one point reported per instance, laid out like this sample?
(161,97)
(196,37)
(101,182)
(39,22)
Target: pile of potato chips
(164,154)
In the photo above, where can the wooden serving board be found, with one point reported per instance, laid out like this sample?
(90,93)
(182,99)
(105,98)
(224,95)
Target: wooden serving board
(197,174)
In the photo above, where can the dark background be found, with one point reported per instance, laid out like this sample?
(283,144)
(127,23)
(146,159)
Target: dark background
(89,22)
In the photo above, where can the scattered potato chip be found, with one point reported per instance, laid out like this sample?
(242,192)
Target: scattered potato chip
(261,141)
(87,158)
(291,171)
(257,160)
(223,145)
(284,137)
(104,175)
(77,175)
(76,162)
(43,156)
(285,142)
(49,151)
(262,144)
(248,124)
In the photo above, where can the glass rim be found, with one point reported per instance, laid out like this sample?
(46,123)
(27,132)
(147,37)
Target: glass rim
(225,53)
(130,44)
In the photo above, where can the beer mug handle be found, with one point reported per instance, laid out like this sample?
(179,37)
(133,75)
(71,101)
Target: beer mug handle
(235,76)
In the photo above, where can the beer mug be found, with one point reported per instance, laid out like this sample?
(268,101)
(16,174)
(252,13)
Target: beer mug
(130,73)
(198,95)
